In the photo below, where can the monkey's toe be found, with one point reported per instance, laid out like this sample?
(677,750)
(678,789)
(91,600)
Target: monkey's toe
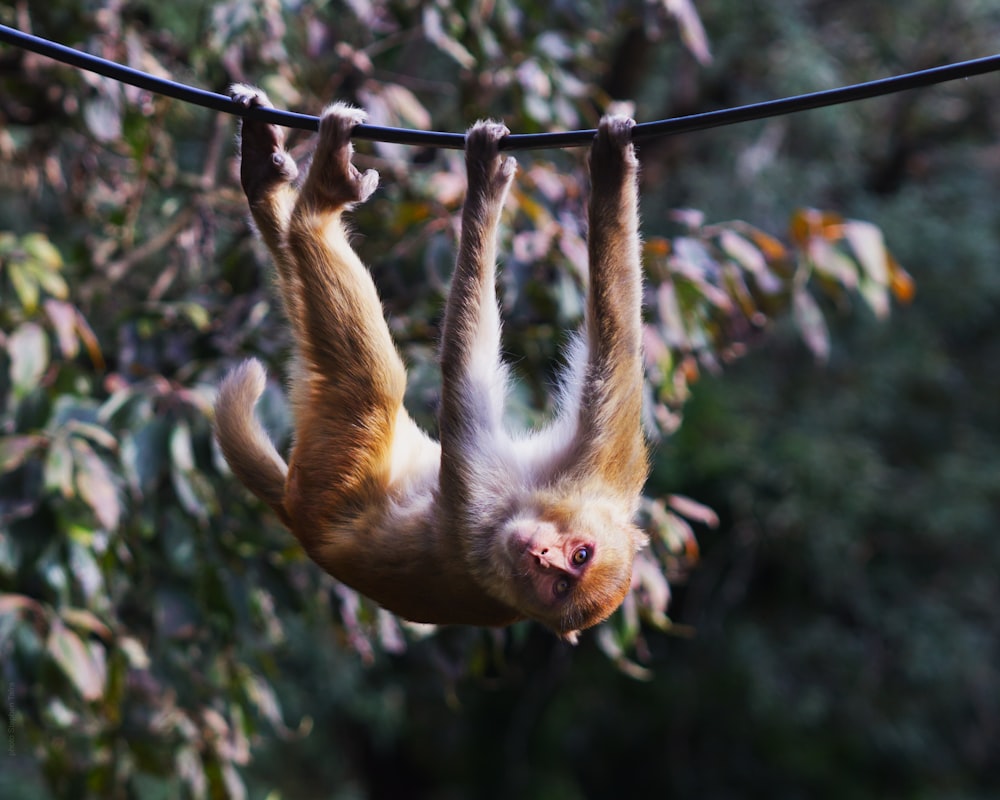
(482,155)
(612,148)
(483,139)
(617,129)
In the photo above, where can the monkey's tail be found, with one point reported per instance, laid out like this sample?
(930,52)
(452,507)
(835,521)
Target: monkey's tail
(247,447)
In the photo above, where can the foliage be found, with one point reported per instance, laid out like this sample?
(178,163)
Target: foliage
(160,634)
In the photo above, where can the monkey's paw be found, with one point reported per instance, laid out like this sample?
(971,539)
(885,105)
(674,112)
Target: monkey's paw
(485,165)
(612,152)
(342,181)
(264,161)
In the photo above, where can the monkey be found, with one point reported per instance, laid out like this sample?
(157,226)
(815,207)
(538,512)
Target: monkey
(483,526)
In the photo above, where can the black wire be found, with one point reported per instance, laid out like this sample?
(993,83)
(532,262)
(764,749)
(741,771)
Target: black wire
(532,141)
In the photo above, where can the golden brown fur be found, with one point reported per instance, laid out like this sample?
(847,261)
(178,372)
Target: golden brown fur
(486,527)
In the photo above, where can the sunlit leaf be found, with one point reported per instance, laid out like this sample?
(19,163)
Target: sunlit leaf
(85,620)
(63,318)
(771,247)
(89,339)
(82,662)
(15,450)
(48,277)
(435,33)
(868,244)
(676,533)
(196,313)
(693,510)
(181,448)
(670,317)
(744,252)
(95,484)
(829,261)
(809,223)
(811,324)
(85,569)
(610,646)
(103,115)
(25,285)
(40,249)
(59,468)
(16,603)
(693,253)
(692,31)
(138,657)
(902,285)
(94,433)
(28,349)
(656,247)
(264,698)
(651,585)
(876,295)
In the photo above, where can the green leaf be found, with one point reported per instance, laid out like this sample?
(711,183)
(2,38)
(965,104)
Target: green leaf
(42,252)
(144,454)
(25,286)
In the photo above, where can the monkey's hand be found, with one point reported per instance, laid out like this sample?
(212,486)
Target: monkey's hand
(612,156)
(333,179)
(264,162)
(490,174)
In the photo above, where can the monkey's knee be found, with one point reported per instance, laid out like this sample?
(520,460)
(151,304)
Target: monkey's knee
(333,179)
(264,163)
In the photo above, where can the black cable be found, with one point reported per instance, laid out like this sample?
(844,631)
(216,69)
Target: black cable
(531,141)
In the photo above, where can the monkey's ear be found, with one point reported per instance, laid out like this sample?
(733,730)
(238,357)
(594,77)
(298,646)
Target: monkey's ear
(570,637)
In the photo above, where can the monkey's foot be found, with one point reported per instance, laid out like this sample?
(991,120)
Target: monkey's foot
(612,155)
(333,180)
(264,163)
(490,174)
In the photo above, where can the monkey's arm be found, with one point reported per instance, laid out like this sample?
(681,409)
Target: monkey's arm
(610,412)
(473,376)
(267,172)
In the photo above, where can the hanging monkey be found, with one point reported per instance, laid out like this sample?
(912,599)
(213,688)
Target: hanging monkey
(485,527)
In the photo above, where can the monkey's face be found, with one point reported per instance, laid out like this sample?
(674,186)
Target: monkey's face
(570,563)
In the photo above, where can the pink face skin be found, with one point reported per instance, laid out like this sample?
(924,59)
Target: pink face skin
(551,563)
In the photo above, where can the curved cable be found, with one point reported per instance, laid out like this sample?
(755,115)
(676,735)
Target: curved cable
(522,141)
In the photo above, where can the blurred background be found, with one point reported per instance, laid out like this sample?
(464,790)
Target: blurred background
(824,372)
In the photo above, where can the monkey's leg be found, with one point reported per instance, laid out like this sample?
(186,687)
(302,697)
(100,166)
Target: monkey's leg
(266,173)
(473,377)
(613,445)
(351,381)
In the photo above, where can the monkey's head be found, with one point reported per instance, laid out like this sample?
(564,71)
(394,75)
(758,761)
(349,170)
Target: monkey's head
(569,561)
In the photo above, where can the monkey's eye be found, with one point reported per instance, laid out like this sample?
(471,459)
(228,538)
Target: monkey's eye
(580,556)
(561,587)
